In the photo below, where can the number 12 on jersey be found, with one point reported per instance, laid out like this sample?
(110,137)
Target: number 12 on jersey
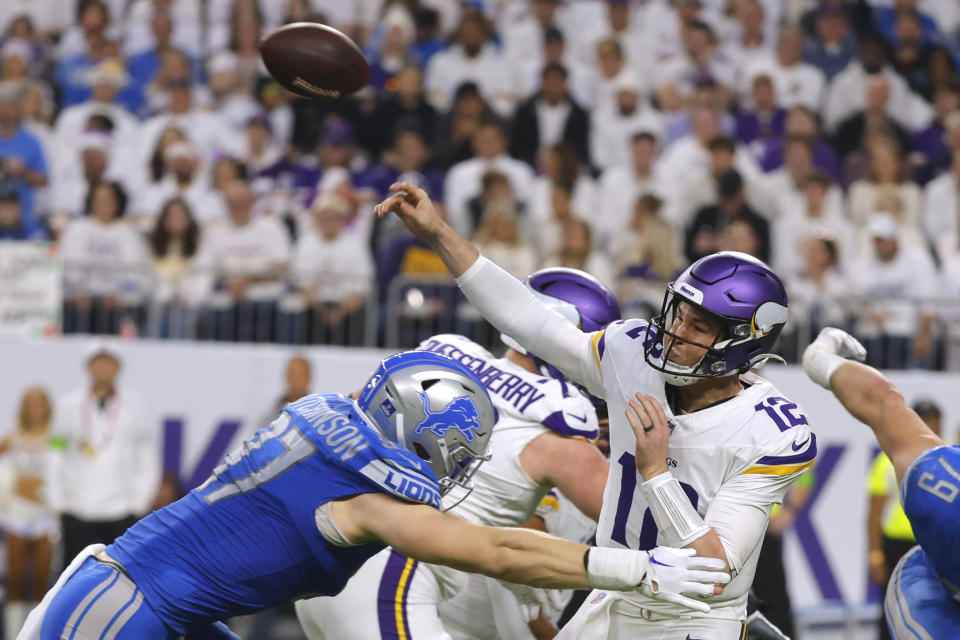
(628,484)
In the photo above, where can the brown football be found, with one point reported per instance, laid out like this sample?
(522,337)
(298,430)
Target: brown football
(314,60)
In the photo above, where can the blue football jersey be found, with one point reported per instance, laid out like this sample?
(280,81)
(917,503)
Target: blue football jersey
(930,492)
(247,538)
(918,605)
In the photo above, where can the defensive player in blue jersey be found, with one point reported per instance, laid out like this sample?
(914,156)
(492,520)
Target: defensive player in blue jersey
(299,507)
(923,596)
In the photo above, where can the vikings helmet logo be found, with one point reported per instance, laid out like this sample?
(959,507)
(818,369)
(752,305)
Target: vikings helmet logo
(461,414)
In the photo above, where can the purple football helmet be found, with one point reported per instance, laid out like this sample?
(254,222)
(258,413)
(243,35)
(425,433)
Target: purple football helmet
(748,298)
(577,296)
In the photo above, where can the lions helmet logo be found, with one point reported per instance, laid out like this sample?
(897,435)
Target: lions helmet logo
(461,414)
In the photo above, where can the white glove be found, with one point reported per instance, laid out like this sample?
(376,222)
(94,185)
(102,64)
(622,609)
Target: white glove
(830,350)
(662,574)
(676,571)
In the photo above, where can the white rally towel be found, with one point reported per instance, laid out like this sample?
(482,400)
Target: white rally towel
(31,628)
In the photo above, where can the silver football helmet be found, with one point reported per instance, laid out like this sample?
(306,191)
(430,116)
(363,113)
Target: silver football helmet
(435,407)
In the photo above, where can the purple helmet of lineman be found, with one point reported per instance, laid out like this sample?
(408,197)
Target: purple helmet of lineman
(577,296)
(744,294)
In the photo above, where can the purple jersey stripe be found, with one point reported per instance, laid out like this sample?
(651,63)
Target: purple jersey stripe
(559,424)
(386,596)
(403,603)
(804,456)
(601,345)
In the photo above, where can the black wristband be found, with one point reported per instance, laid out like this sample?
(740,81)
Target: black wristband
(586,554)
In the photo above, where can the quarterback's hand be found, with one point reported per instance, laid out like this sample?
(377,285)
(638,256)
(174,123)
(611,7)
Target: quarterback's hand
(820,358)
(673,572)
(415,209)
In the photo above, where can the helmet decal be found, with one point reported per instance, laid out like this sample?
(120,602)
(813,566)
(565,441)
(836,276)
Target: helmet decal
(461,414)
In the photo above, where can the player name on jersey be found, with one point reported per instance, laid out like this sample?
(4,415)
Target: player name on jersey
(510,387)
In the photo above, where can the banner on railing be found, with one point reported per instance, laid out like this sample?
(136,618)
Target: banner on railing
(205,398)
(30,290)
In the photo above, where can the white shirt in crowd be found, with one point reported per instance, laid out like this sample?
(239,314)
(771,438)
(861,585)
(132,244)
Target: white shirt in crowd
(104,260)
(334,270)
(109,467)
(450,68)
(941,214)
(846,95)
(249,250)
(894,289)
(206,203)
(611,133)
(618,190)
(463,182)
(800,85)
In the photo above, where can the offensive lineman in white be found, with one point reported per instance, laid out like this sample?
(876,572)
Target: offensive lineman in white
(542,439)
(697,463)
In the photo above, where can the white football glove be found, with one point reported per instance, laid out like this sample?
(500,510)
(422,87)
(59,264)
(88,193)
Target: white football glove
(673,572)
(825,354)
(662,574)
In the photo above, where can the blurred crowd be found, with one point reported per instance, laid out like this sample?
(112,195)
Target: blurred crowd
(623,137)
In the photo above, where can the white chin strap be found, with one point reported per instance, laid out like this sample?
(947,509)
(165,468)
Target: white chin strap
(677,374)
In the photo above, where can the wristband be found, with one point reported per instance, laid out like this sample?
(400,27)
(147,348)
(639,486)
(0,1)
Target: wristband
(616,569)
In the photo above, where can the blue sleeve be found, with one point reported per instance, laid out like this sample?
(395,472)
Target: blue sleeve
(33,158)
(917,604)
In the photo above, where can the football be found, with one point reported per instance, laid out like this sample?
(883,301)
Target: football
(314,60)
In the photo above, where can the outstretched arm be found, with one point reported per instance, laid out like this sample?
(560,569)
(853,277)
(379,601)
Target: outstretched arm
(501,298)
(522,555)
(869,396)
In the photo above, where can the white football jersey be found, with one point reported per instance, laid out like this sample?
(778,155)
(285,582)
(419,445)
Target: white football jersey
(528,405)
(747,449)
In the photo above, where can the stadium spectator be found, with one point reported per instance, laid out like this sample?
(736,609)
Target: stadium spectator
(784,187)
(614,22)
(144,65)
(274,100)
(700,188)
(106,266)
(930,151)
(749,40)
(577,251)
(183,177)
(803,122)
(609,72)
(248,258)
(141,32)
(12,224)
(796,83)
(81,48)
(888,22)
(848,90)
(941,214)
(705,232)
(246,27)
(527,71)
(15,58)
(472,57)
(891,284)
(232,101)
(835,45)
(549,117)
(615,123)
(911,53)
(393,53)
(69,192)
(558,163)
(496,190)
(700,60)
(499,238)
(105,467)
(619,187)
(201,126)
(816,212)
(297,375)
(29,524)
(818,289)
(454,130)
(263,150)
(644,255)
(106,80)
(334,272)
(464,180)
(765,121)
(524,38)
(856,132)
(427,40)
(174,241)
(886,180)
(889,534)
(175,68)
(403,104)
(22,163)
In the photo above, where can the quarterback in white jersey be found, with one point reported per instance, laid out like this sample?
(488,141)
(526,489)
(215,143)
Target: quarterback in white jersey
(542,438)
(696,463)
